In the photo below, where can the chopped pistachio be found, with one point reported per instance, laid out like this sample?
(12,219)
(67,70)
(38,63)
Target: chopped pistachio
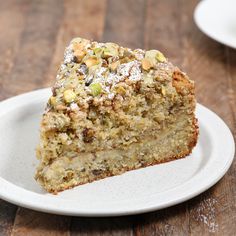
(53,101)
(120,90)
(111,50)
(148,79)
(98,51)
(92,69)
(113,66)
(69,96)
(151,54)
(91,61)
(96,89)
(146,64)
(79,54)
(121,51)
(160,57)
(78,46)
(80,77)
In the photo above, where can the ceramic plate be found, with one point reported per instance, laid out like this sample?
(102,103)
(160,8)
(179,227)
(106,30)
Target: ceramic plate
(217,19)
(134,192)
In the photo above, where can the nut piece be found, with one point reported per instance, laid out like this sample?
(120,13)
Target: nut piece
(69,96)
(151,53)
(96,89)
(79,54)
(111,50)
(52,101)
(92,61)
(160,57)
(121,90)
(146,64)
(113,66)
(98,51)
(78,45)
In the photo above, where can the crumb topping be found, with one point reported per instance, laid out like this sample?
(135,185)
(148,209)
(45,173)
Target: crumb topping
(102,71)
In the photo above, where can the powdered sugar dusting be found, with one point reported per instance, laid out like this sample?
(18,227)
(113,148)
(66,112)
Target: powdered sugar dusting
(132,70)
(108,80)
(205,213)
(68,55)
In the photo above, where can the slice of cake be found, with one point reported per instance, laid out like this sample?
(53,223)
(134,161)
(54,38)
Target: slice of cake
(113,109)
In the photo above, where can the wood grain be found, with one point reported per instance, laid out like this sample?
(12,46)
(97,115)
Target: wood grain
(41,25)
(117,226)
(125,22)
(7,216)
(31,47)
(34,223)
(10,39)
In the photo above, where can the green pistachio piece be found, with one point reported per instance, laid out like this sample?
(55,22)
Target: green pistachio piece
(53,101)
(111,50)
(121,90)
(96,89)
(69,96)
(98,51)
(151,56)
(160,57)
(121,51)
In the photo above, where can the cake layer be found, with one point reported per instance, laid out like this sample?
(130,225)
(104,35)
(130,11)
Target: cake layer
(66,172)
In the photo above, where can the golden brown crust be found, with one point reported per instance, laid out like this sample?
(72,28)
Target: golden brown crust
(182,83)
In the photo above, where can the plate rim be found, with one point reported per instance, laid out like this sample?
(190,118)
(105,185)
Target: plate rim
(7,188)
(209,34)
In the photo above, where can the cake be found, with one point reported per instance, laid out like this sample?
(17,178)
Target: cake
(113,110)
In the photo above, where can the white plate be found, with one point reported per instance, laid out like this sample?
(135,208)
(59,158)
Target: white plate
(134,192)
(217,19)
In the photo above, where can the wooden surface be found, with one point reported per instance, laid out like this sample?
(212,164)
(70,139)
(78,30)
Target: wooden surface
(32,39)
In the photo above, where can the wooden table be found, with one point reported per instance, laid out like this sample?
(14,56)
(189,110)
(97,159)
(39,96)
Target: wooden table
(33,35)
